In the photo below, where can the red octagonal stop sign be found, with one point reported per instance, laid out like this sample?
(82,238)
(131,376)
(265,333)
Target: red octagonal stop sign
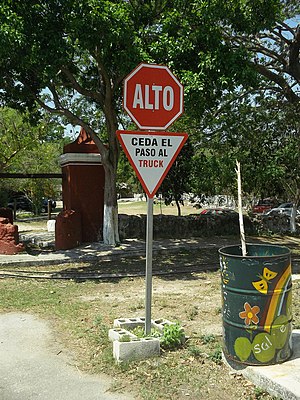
(153,96)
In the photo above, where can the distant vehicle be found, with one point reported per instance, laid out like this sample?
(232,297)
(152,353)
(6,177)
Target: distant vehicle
(215,211)
(264,205)
(282,209)
(285,205)
(23,203)
(45,205)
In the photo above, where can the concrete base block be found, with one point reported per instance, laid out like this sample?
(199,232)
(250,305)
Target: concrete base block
(137,349)
(127,346)
(160,323)
(120,334)
(131,323)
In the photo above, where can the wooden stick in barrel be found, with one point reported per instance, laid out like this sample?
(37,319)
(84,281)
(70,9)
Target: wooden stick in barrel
(240,209)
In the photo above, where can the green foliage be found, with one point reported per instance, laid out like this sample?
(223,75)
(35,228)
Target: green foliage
(259,393)
(194,351)
(43,158)
(216,355)
(173,337)
(101,327)
(4,196)
(263,135)
(209,347)
(209,338)
(16,136)
(27,148)
(139,332)
(43,44)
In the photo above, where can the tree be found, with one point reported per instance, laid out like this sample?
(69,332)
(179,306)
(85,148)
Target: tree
(253,130)
(80,51)
(43,158)
(16,135)
(127,181)
(178,180)
(28,148)
(258,123)
(276,56)
(263,134)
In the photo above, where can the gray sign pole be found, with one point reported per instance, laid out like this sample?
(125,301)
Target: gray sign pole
(149,243)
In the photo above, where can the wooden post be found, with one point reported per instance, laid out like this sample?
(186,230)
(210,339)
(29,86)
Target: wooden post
(49,208)
(240,209)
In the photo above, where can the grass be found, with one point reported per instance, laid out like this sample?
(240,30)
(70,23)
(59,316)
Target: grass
(82,313)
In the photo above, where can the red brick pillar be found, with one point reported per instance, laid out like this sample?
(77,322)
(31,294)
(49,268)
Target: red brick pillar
(83,185)
(68,230)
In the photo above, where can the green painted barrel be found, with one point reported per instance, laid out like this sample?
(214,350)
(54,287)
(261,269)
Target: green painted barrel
(257,299)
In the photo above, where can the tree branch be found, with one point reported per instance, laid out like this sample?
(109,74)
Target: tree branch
(294,65)
(280,36)
(85,92)
(56,99)
(71,117)
(286,27)
(280,81)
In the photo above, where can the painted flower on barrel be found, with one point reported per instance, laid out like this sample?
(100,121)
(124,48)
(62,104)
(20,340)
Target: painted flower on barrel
(250,314)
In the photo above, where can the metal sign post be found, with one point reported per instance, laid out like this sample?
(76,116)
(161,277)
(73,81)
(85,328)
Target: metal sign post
(149,245)
(153,98)
(151,154)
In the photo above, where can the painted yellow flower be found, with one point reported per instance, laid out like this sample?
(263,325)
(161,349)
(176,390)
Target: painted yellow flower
(250,314)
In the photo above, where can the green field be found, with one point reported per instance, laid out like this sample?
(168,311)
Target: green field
(140,207)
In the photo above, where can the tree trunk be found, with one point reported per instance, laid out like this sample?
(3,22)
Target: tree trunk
(293,226)
(293,219)
(110,220)
(109,156)
(178,208)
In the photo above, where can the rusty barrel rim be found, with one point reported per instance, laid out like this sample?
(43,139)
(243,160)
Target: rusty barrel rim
(225,250)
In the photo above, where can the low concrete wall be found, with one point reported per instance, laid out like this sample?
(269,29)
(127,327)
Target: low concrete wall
(170,226)
(279,224)
(174,227)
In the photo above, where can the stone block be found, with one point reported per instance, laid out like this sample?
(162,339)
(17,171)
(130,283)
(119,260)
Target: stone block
(136,349)
(9,238)
(160,323)
(120,334)
(129,323)
(51,225)
(127,346)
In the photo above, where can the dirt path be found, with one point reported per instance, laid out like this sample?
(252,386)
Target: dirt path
(34,366)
